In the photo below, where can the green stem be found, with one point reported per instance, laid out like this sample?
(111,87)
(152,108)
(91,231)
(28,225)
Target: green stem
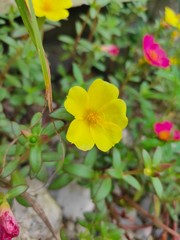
(43,59)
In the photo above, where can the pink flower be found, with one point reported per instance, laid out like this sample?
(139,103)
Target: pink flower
(111,49)
(153,53)
(163,130)
(8,225)
(176,135)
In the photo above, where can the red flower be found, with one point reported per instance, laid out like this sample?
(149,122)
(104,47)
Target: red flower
(153,53)
(163,130)
(176,135)
(111,49)
(8,225)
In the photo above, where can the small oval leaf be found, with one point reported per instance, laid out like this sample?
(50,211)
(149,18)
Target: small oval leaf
(16,191)
(60,181)
(103,189)
(79,170)
(157,186)
(147,159)
(35,158)
(9,168)
(132,181)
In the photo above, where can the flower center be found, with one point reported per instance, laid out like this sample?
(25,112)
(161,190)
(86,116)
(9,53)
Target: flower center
(153,55)
(47,6)
(92,117)
(164,135)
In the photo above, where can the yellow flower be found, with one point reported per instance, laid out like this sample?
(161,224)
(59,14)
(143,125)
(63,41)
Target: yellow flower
(174,61)
(172,18)
(175,35)
(53,10)
(99,116)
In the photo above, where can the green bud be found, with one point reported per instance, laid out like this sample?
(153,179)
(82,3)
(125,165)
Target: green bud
(33,139)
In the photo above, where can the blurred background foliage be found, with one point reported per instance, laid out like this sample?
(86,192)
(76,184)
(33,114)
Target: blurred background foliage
(33,141)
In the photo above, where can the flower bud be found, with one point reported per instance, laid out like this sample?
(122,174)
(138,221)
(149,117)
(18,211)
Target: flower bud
(111,49)
(8,225)
(148,172)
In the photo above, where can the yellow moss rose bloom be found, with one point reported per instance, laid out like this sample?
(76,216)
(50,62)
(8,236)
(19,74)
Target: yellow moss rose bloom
(99,116)
(53,10)
(172,18)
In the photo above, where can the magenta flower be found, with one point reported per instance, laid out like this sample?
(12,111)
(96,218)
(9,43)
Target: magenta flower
(176,135)
(163,130)
(111,49)
(8,225)
(153,53)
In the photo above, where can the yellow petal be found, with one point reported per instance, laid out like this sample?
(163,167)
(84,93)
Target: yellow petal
(115,112)
(62,3)
(79,134)
(53,10)
(171,17)
(101,92)
(38,8)
(76,102)
(105,136)
(57,15)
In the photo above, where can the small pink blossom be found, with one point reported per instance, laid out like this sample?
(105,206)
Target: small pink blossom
(8,225)
(163,130)
(153,53)
(176,135)
(111,49)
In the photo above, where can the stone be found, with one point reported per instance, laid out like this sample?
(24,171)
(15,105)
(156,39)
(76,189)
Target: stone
(31,225)
(74,200)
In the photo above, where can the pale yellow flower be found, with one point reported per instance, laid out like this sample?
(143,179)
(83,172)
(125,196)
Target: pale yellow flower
(172,18)
(99,116)
(174,61)
(175,35)
(53,10)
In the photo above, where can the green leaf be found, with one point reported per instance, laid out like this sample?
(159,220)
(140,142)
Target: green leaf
(147,159)
(66,39)
(114,173)
(51,156)
(9,168)
(21,200)
(61,114)
(79,170)
(15,128)
(36,130)
(52,128)
(173,211)
(132,181)
(157,206)
(157,157)
(60,181)
(36,119)
(77,73)
(35,158)
(13,81)
(151,143)
(91,157)
(117,164)
(78,26)
(17,178)
(102,190)
(3,93)
(157,186)
(16,191)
